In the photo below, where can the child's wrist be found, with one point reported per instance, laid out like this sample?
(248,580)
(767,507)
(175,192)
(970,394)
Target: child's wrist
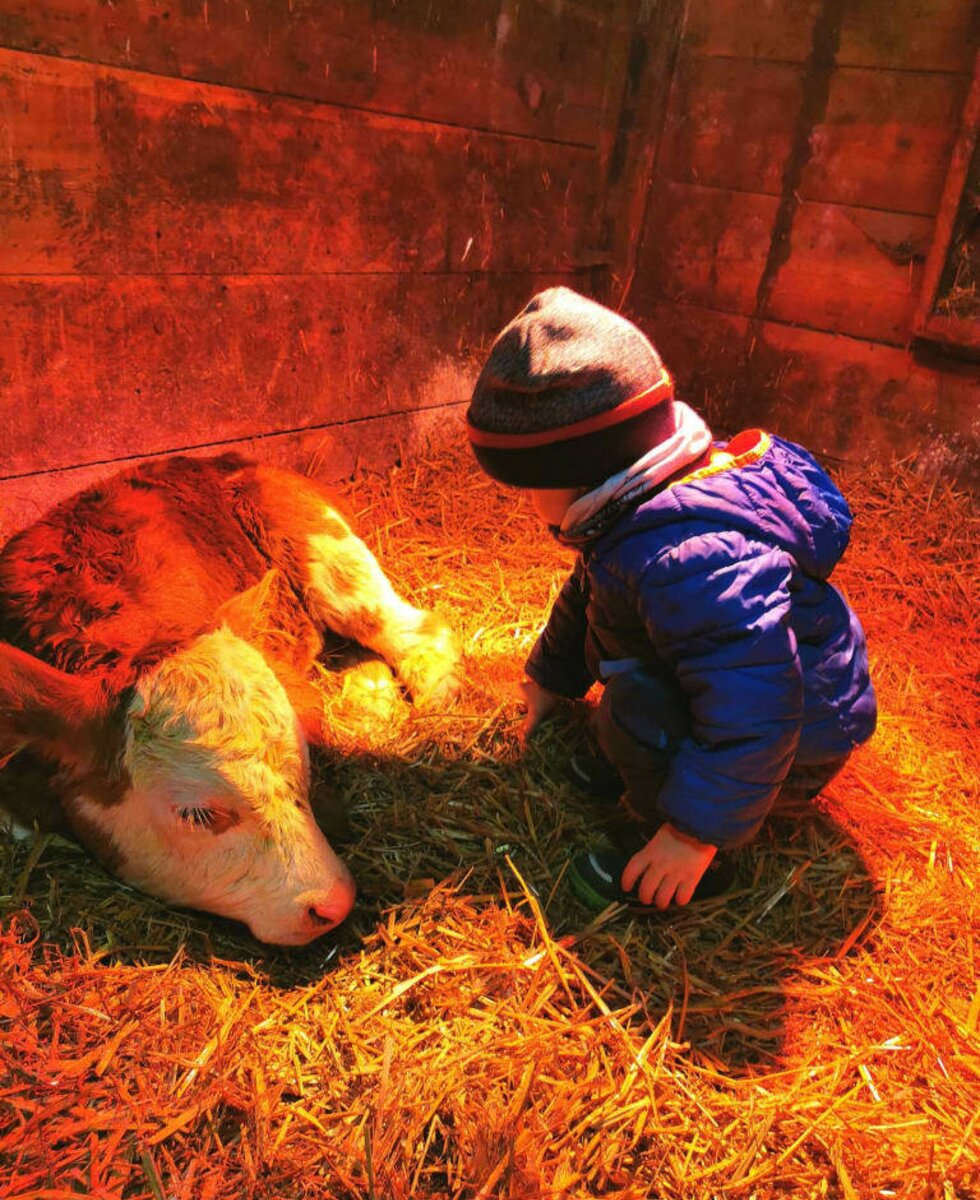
(688,839)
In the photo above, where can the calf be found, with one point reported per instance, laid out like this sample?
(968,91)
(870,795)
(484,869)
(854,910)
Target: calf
(156,638)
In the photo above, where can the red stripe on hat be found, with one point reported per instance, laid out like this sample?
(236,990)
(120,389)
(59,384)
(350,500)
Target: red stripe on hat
(662,390)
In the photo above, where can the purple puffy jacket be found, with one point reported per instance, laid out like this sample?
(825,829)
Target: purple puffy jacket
(719,582)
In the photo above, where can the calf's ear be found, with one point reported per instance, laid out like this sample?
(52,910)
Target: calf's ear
(48,709)
(270,617)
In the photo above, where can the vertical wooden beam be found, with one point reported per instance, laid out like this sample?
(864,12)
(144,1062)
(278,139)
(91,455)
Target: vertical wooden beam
(955,213)
(642,73)
(816,91)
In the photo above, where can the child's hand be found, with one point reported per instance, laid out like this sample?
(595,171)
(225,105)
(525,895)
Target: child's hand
(539,703)
(669,867)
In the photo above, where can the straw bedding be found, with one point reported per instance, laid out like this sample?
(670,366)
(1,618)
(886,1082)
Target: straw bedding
(471,1031)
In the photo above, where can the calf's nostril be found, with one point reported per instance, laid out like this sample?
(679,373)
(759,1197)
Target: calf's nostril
(321,916)
(325,908)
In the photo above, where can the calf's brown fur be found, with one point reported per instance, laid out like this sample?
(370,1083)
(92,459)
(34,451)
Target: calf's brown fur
(180,570)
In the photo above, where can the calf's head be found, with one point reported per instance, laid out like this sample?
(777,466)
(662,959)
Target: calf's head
(192,786)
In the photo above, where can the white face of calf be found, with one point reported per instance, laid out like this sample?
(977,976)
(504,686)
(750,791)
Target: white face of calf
(217,815)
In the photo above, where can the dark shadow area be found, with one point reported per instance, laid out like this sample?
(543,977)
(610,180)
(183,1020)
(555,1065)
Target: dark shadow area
(803,895)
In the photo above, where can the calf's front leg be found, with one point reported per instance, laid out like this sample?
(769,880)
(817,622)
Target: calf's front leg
(347,590)
(344,588)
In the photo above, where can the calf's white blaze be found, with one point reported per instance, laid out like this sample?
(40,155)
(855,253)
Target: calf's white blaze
(211,730)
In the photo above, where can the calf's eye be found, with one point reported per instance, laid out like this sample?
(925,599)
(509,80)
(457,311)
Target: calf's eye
(201,818)
(214,820)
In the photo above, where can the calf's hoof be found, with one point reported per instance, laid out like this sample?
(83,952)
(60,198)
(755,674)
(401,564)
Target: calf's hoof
(431,670)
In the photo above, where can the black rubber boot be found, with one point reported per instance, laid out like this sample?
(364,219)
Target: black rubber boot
(595,877)
(595,776)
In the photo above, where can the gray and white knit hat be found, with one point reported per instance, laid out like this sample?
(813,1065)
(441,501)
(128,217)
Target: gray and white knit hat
(570,394)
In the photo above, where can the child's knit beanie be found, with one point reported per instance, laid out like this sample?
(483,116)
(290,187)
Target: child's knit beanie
(571,394)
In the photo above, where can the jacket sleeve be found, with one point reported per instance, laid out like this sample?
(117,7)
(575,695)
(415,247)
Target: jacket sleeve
(717,608)
(557,661)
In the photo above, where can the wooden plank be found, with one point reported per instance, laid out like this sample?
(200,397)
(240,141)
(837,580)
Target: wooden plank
(705,246)
(779,31)
(328,454)
(917,35)
(855,271)
(843,398)
(958,411)
(110,171)
(956,234)
(859,402)
(914,35)
(884,140)
(703,348)
(848,270)
(533,68)
(95,368)
(731,123)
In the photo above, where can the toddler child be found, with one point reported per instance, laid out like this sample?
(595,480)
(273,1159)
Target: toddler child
(731,667)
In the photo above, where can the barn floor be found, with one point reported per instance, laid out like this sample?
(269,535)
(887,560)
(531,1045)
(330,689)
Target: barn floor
(468,1032)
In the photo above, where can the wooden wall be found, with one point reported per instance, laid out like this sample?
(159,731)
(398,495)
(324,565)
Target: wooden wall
(293,226)
(792,200)
(288,225)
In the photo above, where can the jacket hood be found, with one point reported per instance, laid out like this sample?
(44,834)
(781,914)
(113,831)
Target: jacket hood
(763,487)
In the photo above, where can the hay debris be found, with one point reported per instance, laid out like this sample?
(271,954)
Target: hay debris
(471,1031)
